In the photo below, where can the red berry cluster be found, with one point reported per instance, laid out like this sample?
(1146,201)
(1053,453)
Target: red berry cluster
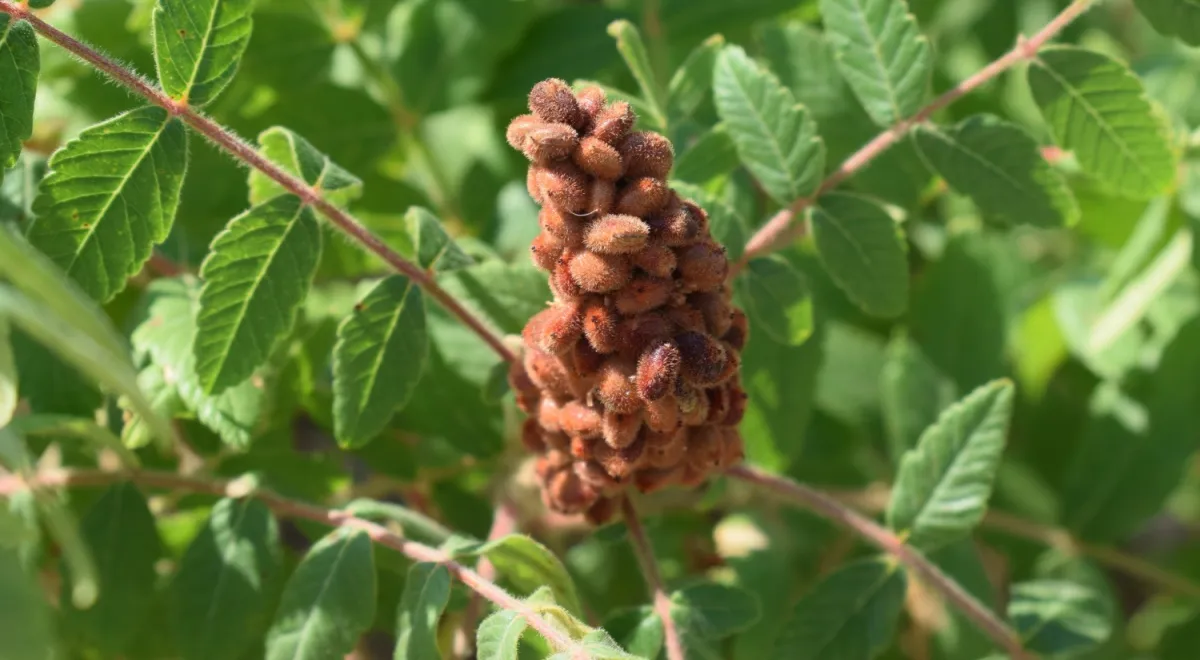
(631,375)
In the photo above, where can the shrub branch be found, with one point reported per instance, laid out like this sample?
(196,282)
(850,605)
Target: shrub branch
(11,484)
(781,229)
(911,558)
(242,151)
(658,591)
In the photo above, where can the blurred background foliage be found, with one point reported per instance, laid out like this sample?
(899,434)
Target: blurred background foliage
(413,97)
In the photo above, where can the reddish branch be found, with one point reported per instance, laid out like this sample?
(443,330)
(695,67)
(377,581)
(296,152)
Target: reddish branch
(242,151)
(781,229)
(885,540)
(658,592)
(11,484)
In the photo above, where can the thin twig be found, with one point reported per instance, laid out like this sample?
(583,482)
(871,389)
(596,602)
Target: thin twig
(911,558)
(780,229)
(11,484)
(645,557)
(242,151)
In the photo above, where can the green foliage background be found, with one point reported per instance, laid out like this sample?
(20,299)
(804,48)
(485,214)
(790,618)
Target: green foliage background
(998,316)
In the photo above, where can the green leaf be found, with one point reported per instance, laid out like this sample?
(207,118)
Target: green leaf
(851,613)
(529,565)
(1000,167)
(221,593)
(1097,108)
(30,271)
(638,629)
(943,485)
(111,194)
(693,80)
(864,251)
(775,137)
(19,65)
(776,295)
(1057,617)
(499,635)
(912,394)
(198,45)
(328,602)
(415,525)
(256,277)
(1174,18)
(633,50)
(426,593)
(711,611)
(435,250)
(8,376)
(26,622)
(882,54)
(712,155)
(299,157)
(112,371)
(166,335)
(380,355)
(120,531)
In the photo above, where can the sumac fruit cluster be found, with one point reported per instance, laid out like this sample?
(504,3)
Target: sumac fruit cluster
(631,375)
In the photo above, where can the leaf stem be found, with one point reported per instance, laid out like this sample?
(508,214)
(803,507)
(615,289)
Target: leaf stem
(780,230)
(11,484)
(240,150)
(658,592)
(912,559)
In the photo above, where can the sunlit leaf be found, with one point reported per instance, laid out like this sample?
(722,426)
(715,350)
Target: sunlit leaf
(882,53)
(435,250)
(299,157)
(426,592)
(110,196)
(529,565)
(637,58)
(775,137)
(198,45)
(499,636)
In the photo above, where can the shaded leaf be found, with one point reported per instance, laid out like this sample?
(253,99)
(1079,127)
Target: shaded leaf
(380,355)
(849,614)
(637,58)
(110,196)
(198,45)
(912,394)
(1000,167)
(692,81)
(20,63)
(435,250)
(26,624)
(864,251)
(776,295)
(712,155)
(120,531)
(298,156)
(256,277)
(221,591)
(529,565)
(328,602)
(426,593)
(775,137)
(638,629)
(712,611)
(499,635)
(8,376)
(1097,108)
(1174,18)
(882,54)
(943,485)
(1059,617)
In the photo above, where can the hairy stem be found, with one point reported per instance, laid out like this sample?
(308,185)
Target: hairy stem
(658,592)
(885,540)
(242,151)
(282,506)
(781,229)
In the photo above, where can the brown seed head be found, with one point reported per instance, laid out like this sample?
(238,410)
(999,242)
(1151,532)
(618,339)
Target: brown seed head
(548,373)
(552,101)
(591,101)
(600,273)
(561,283)
(667,454)
(704,448)
(617,234)
(568,494)
(568,228)
(663,415)
(531,436)
(647,154)
(693,404)
(739,330)
(621,429)
(738,400)
(602,511)
(703,266)
(615,386)
(651,481)
(718,313)
(546,250)
(602,198)
(549,415)
(642,197)
(518,130)
(586,359)
(533,184)
(600,325)
(733,448)
(599,158)
(704,357)
(594,475)
(579,421)
(620,463)
(565,186)
(638,332)
(555,329)
(657,371)
(675,225)
(656,260)
(614,122)
(642,294)
(550,142)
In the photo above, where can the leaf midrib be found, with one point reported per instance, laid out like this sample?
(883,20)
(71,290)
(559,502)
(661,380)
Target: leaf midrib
(204,44)
(329,579)
(776,147)
(208,617)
